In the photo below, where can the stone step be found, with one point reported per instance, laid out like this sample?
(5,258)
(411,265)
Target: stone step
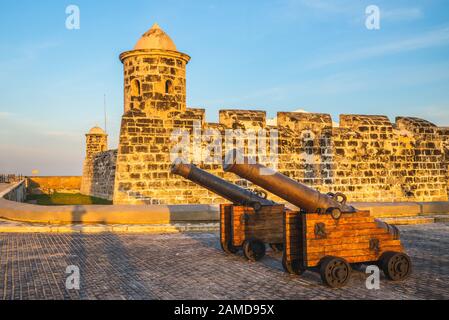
(409,220)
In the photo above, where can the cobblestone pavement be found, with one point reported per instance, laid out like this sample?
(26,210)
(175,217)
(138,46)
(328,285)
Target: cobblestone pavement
(192,266)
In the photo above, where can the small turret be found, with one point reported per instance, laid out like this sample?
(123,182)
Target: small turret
(96,141)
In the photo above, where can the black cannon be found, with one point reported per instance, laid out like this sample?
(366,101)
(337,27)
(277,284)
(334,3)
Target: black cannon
(249,222)
(327,235)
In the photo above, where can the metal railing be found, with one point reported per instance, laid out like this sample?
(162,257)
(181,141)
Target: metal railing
(11,178)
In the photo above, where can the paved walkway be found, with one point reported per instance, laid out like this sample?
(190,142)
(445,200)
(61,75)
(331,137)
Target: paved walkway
(192,266)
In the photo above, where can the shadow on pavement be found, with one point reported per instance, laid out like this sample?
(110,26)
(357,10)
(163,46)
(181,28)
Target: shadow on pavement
(107,271)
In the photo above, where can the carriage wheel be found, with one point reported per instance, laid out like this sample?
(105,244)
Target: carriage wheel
(335,272)
(292,267)
(396,265)
(228,247)
(277,247)
(254,250)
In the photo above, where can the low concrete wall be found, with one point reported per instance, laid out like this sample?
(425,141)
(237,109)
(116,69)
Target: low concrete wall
(391,209)
(14,193)
(403,209)
(107,214)
(125,214)
(163,214)
(61,184)
(434,207)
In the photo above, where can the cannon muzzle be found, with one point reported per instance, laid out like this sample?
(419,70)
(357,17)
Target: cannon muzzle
(286,188)
(237,195)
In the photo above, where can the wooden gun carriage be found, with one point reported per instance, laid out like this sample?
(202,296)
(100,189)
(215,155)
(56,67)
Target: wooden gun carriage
(327,235)
(249,223)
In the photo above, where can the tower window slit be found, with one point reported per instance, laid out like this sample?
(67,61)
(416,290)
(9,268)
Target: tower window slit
(168,87)
(135,88)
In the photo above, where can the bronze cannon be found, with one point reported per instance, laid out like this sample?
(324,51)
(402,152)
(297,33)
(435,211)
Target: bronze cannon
(286,188)
(326,235)
(249,222)
(235,194)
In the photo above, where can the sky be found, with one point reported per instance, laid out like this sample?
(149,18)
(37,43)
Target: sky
(276,55)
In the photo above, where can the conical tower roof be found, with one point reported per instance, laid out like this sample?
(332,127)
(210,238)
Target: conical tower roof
(97,131)
(155,38)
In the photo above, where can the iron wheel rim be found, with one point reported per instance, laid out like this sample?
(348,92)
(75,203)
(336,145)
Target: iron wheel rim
(336,272)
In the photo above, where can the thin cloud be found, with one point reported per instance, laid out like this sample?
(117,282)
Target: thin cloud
(329,85)
(438,37)
(27,53)
(5,115)
(357,8)
(32,51)
(63,134)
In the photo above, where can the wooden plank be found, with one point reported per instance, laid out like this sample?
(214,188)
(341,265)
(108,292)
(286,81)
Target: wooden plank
(238,230)
(358,214)
(357,259)
(331,227)
(329,219)
(335,241)
(341,221)
(264,228)
(371,258)
(225,223)
(262,223)
(349,254)
(265,225)
(314,248)
(351,233)
(292,236)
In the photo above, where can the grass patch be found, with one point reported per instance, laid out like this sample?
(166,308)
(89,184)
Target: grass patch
(66,199)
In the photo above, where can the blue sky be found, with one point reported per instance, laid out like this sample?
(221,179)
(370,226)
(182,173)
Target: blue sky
(277,55)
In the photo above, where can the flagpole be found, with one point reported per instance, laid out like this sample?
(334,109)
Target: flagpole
(105,116)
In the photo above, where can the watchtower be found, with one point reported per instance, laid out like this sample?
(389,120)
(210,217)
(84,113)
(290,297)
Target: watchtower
(155,75)
(96,141)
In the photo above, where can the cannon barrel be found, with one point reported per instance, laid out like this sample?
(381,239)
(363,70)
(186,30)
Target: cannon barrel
(284,187)
(237,195)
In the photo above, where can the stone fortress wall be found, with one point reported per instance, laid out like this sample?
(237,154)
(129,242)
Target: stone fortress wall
(99,175)
(52,184)
(366,157)
(99,166)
